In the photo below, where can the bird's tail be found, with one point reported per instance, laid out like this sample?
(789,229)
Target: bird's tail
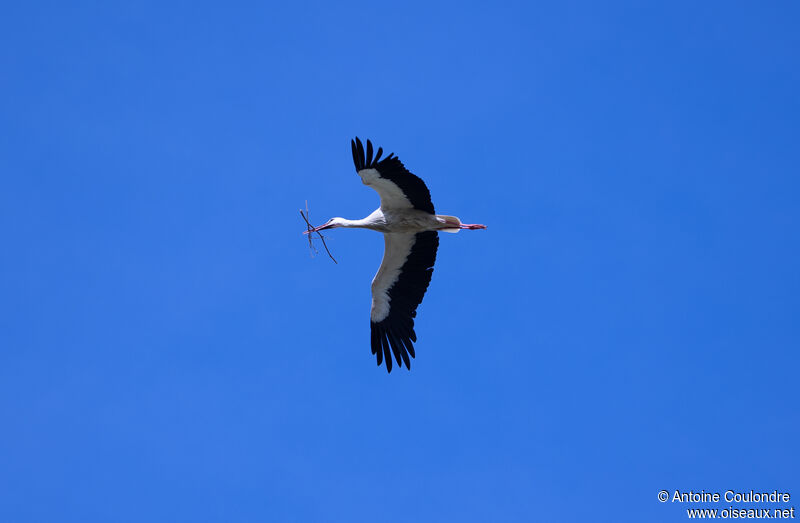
(451,223)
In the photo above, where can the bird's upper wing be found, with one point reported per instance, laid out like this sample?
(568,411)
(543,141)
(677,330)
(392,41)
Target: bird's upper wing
(397,187)
(397,290)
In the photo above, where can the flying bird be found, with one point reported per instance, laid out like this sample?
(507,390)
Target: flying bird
(409,225)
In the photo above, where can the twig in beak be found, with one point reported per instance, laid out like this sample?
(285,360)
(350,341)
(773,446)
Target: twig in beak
(311,231)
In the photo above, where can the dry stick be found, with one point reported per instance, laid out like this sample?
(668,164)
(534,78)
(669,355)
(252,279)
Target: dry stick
(307,218)
(321,237)
(311,231)
(308,233)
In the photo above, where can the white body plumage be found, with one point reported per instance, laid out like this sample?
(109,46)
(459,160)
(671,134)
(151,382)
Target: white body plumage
(400,220)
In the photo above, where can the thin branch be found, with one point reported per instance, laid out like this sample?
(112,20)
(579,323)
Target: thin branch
(311,231)
(310,228)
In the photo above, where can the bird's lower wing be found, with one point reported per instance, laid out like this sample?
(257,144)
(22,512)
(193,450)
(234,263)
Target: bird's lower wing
(397,290)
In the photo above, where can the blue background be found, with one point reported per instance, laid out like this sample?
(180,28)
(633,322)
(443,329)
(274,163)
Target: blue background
(628,322)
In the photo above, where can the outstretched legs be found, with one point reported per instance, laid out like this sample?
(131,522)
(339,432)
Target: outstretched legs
(471,226)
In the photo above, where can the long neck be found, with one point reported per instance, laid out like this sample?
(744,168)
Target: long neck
(375,218)
(354,224)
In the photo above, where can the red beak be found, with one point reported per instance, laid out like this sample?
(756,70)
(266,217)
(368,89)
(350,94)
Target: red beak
(317,229)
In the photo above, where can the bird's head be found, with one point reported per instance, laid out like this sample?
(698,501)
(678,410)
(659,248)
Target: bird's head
(330,224)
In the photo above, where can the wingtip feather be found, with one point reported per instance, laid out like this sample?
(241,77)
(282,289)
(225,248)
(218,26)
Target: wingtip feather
(368,163)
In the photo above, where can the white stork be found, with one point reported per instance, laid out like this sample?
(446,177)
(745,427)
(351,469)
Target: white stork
(409,224)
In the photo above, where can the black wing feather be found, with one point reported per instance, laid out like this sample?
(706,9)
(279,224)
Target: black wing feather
(355,153)
(387,351)
(405,295)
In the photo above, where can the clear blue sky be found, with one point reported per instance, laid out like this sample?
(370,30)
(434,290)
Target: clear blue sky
(628,322)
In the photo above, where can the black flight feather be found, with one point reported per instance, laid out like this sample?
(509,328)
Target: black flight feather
(387,355)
